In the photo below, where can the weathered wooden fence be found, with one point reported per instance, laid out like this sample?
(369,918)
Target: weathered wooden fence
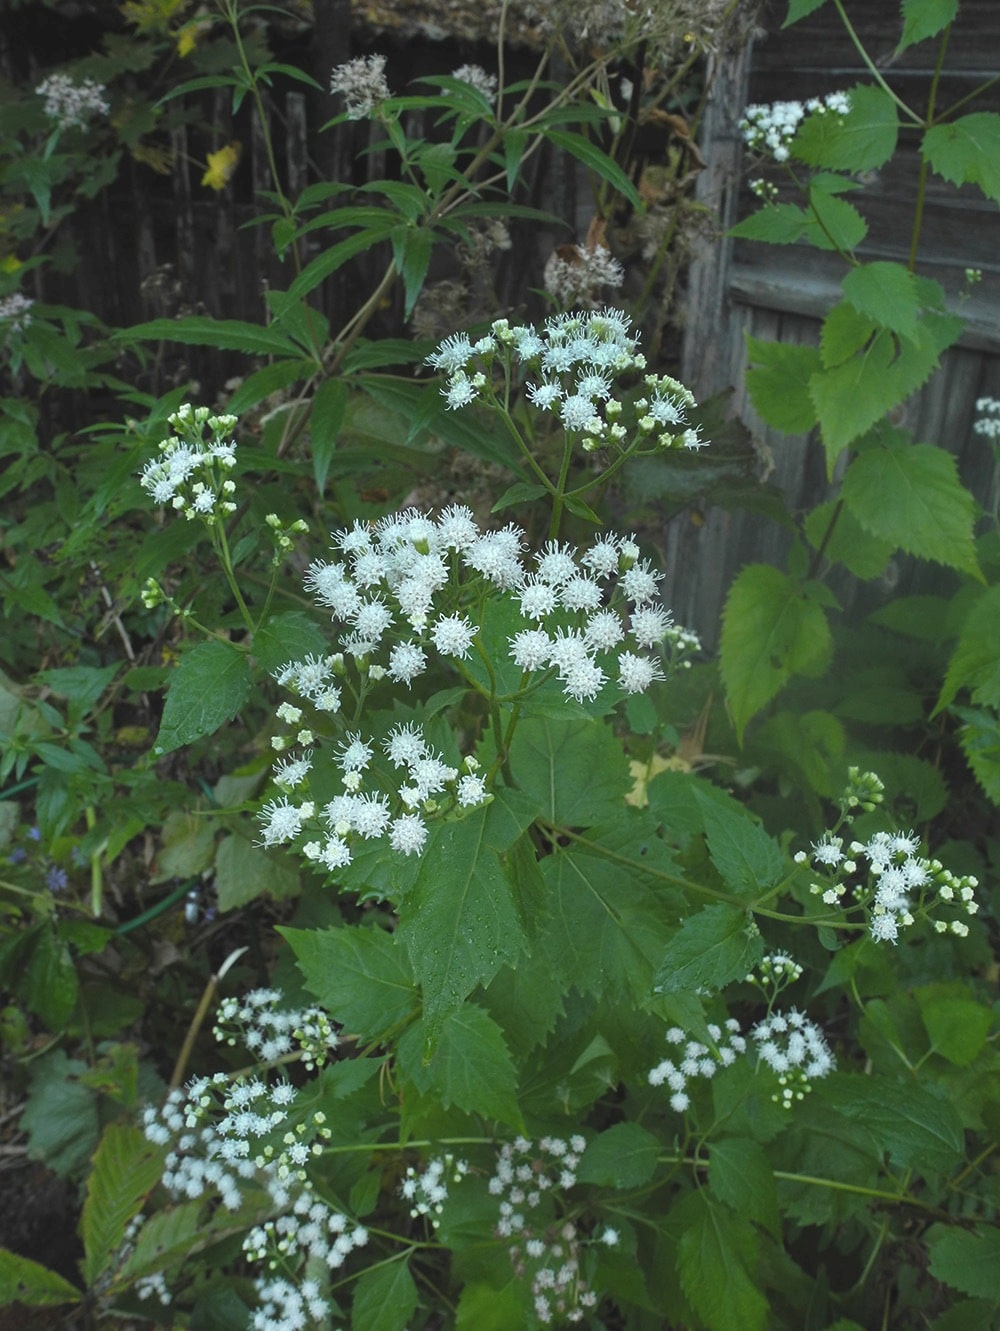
(780,293)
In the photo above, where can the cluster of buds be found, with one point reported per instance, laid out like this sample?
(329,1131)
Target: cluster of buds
(426,1190)
(190,473)
(260,1023)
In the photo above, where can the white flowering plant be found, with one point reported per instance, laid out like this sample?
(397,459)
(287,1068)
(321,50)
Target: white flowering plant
(528,1022)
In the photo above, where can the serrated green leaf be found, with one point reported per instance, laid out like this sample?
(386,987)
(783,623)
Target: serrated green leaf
(623,1156)
(574,771)
(384,1298)
(958,1026)
(289,637)
(979,738)
(126,1168)
(862,140)
(916,1128)
(772,629)
(470,1067)
(800,9)
(887,293)
(27,1282)
(923,19)
(778,383)
(748,860)
(463,919)
(609,918)
(740,1175)
(835,224)
(845,331)
(967,151)
(911,495)
(715,945)
(967,1261)
(975,663)
(60,1116)
(850,397)
(863,553)
(166,1237)
(716,1261)
(773,224)
(361,976)
(208,688)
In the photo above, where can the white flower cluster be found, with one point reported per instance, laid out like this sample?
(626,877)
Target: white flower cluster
(189,474)
(427,1190)
(477,78)
(544,1251)
(369,815)
(898,884)
(576,358)
(574,275)
(988,422)
(227,1133)
(788,1043)
(153,1287)
(794,1047)
(269,1031)
(362,82)
(694,1059)
(14,312)
(69,103)
(768,128)
(284,1306)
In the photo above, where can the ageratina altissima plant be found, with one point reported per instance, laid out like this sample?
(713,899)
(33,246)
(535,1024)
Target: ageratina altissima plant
(414,590)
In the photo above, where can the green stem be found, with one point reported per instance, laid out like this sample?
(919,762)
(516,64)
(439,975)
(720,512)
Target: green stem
(870,65)
(559,493)
(96,874)
(918,211)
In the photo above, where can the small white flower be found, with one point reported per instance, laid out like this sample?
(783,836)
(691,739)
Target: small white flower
(407,834)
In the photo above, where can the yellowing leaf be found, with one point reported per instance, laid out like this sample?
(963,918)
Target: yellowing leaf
(221,166)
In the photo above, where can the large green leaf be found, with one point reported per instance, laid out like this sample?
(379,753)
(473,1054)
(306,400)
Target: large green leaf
(862,140)
(835,224)
(574,771)
(887,293)
(60,1116)
(288,637)
(27,1282)
(774,224)
(800,9)
(464,918)
(470,1068)
(740,1175)
(975,663)
(748,860)
(923,19)
(910,495)
(384,1298)
(778,384)
(716,1261)
(623,1156)
(773,627)
(361,976)
(126,1168)
(611,919)
(967,1260)
(967,151)
(918,1129)
(206,690)
(714,946)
